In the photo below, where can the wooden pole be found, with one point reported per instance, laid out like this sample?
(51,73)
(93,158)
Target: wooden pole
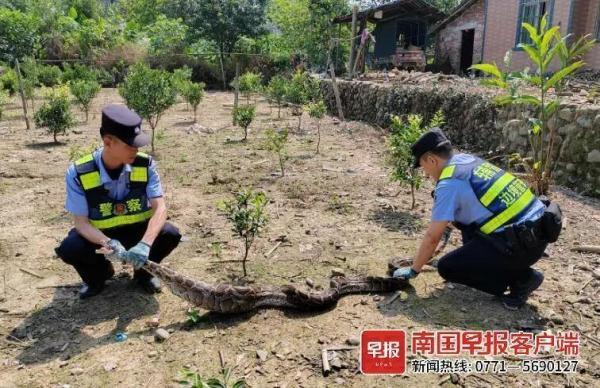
(236,95)
(338,52)
(336,92)
(352,41)
(359,54)
(222,69)
(22,93)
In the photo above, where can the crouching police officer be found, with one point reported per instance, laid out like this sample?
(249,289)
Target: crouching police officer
(505,227)
(117,203)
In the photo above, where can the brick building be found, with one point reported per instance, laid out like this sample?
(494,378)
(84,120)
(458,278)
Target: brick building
(484,30)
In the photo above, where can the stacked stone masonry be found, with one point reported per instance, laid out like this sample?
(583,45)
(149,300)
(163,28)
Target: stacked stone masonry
(476,124)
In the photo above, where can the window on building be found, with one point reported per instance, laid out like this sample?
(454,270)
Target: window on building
(532,12)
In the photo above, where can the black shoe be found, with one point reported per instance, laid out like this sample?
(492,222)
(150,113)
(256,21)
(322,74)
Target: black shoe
(151,285)
(520,292)
(87,291)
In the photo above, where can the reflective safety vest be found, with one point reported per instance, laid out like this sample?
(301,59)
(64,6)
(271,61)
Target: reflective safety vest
(504,195)
(105,212)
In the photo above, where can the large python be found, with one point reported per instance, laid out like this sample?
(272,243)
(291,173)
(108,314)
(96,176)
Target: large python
(230,299)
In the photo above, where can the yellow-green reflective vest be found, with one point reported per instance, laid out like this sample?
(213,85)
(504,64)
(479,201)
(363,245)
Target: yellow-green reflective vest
(504,195)
(105,212)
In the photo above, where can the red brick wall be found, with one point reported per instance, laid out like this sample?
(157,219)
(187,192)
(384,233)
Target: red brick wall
(449,38)
(501,30)
(585,19)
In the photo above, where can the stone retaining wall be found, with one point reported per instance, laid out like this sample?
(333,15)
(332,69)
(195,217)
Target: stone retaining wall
(475,124)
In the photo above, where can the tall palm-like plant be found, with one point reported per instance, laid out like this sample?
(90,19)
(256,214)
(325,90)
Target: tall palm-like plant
(547,47)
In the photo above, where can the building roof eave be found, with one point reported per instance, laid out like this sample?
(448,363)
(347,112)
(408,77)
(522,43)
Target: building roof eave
(456,12)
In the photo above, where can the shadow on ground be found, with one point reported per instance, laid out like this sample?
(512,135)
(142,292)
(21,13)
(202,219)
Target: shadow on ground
(45,145)
(57,329)
(456,306)
(396,221)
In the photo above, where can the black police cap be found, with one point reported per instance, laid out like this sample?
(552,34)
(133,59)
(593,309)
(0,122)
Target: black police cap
(429,141)
(125,124)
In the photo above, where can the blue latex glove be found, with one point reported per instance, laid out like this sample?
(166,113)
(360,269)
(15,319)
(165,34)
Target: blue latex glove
(405,273)
(138,255)
(118,250)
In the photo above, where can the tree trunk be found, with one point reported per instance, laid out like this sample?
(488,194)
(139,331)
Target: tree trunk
(22,94)
(278,110)
(412,194)
(195,110)
(299,121)
(55,139)
(222,61)
(152,128)
(353,40)
(318,135)
(247,248)
(245,133)
(281,165)
(236,95)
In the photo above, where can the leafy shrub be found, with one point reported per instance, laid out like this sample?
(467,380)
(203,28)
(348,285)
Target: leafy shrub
(193,93)
(49,75)
(9,81)
(149,92)
(84,92)
(55,113)
(243,115)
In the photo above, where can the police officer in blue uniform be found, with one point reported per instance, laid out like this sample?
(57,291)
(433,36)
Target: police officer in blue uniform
(505,227)
(116,200)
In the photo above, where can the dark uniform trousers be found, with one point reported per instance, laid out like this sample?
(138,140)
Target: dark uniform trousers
(94,268)
(480,264)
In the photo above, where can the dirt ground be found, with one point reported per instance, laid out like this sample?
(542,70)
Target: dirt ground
(337,209)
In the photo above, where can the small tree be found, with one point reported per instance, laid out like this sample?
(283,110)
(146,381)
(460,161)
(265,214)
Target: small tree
(317,110)
(55,113)
(149,92)
(247,214)
(403,136)
(49,75)
(276,142)
(243,115)
(301,90)
(546,46)
(226,378)
(84,92)
(250,83)
(276,91)
(181,79)
(193,93)
(3,100)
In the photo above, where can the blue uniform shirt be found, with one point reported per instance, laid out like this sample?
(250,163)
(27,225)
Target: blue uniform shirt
(76,203)
(455,201)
